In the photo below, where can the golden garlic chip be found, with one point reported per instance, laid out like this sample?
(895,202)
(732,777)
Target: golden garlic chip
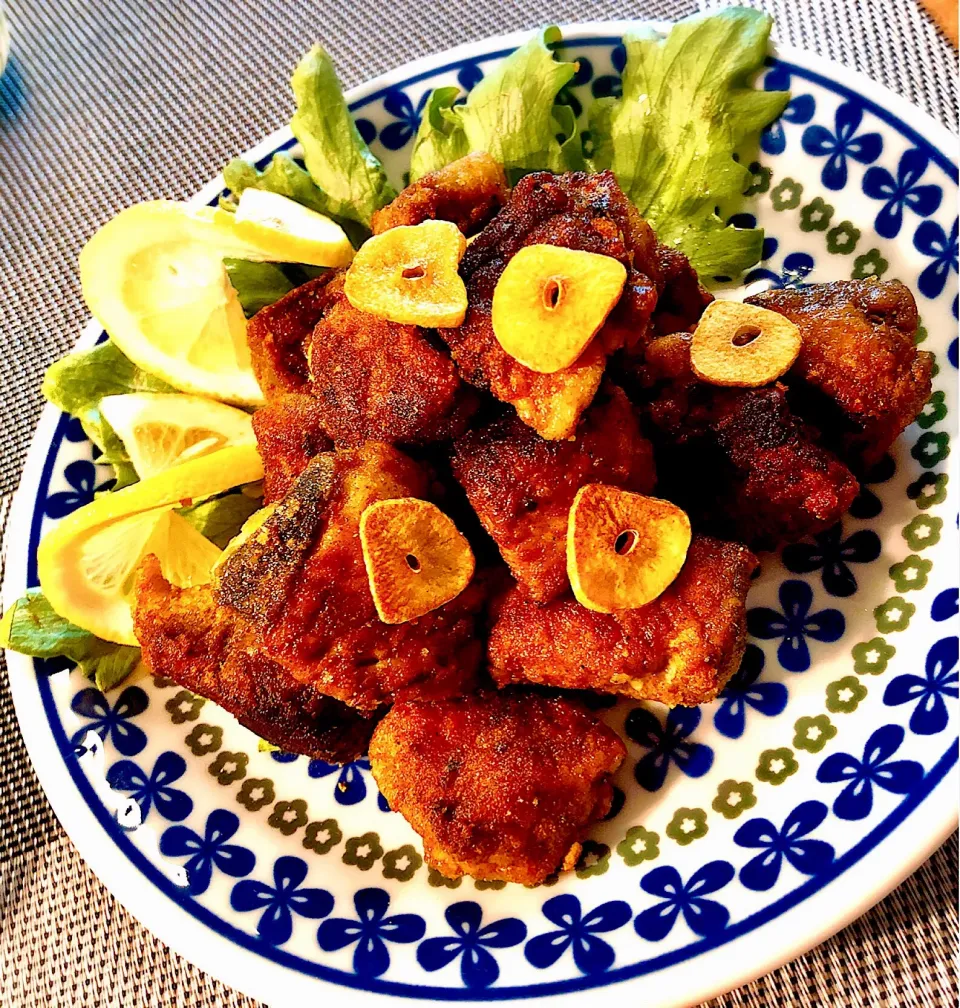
(415,556)
(743,345)
(409,275)
(623,549)
(550,302)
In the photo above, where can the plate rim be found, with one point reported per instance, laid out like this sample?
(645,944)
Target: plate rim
(185,933)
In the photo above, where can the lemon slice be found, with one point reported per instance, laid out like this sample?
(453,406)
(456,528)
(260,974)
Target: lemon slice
(87,562)
(289,232)
(154,278)
(160,430)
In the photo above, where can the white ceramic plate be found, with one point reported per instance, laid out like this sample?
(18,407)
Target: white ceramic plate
(751,828)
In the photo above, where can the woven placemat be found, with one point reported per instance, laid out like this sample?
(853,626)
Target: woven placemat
(107,102)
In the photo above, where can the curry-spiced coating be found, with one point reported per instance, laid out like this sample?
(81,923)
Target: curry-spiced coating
(738,460)
(579,211)
(289,432)
(382,381)
(467,192)
(278,335)
(521,486)
(500,785)
(300,582)
(679,649)
(206,648)
(858,378)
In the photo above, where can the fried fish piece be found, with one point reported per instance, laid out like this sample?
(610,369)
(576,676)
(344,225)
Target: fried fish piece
(521,486)
(679,649)
(859,377)
(290,432)
(382,381)
(278,335)
(738,460)
(578,211)
(187,637)
(467,192)
(500,785)
(300,582)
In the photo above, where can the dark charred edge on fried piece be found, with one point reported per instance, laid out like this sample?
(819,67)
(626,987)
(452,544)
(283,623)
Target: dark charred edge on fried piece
(257,579)
(859,378)
(203,647)
(277,336)
(737,460)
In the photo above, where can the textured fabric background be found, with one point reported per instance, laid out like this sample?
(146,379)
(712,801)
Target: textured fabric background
(107,102)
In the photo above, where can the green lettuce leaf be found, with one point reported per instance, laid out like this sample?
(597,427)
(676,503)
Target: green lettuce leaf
(439,139)
(220,518)
(338,160)
(259,284)
(687,106)
(286,178)
(76,384)
(510,114)
(31,627)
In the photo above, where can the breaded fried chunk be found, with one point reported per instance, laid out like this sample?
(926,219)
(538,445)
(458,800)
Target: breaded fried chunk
(679,649)
(499,785)
(301,584)
(204,647)
(738,460)
(467,192)
(858,378)
(289,432)
(578,211)
(380,380)
(521,486)
(278,336)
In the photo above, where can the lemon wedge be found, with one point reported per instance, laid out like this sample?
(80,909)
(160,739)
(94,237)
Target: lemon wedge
(87,563)
(288,232)
(154,278)
(160,430)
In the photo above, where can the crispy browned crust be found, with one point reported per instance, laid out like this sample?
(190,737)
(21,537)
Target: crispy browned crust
(188,638)
(858,378)
(289,432)
(578,211)
(738,459)
(300,582)
(382,381)
(468,192)
(278,335)
(499,785)
(679,649)
(521,486)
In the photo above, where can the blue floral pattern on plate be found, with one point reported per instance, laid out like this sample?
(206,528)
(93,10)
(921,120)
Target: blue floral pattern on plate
(743,692)
(703,916)
(790,843)
(278,903)
(794,624)
(578,931)
(668,744)
(471,943)
(928,691)
(370,931)
(209,851)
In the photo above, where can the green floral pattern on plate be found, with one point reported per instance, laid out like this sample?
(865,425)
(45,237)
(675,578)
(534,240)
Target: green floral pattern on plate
(911,573)
(844,695)
(289,816)
(812,733)
(894,614)
(734,798)
(363,852)
(776,765)
(639,845)
(321,837)
(871,657)
(687,825)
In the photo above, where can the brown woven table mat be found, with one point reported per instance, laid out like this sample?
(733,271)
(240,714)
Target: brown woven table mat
(106,102)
